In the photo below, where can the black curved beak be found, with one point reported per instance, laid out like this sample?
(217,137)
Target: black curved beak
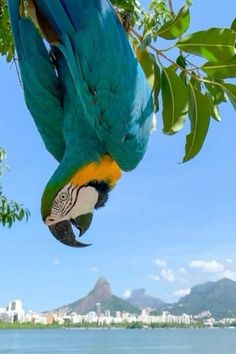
(64,233)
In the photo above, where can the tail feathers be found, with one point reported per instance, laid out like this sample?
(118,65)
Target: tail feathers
(67,16)
(40,21)
(31,50)
(29,42)
(42,93)
(76,9)
(40,83)
(27,39)
(54,13)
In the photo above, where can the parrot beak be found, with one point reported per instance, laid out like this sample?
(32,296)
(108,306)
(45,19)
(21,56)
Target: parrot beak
(82,222)
(63,232)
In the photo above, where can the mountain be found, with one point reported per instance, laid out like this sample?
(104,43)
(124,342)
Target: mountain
(118,304)
(140,299)
(217,297)
(101,293)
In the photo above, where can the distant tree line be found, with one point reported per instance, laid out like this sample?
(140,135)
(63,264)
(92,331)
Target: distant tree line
(10,211)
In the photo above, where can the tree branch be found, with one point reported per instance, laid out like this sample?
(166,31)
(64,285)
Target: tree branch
(171,7)
(186,71)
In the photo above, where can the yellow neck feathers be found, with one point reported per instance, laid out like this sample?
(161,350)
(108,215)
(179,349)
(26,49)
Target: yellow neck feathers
(105,170)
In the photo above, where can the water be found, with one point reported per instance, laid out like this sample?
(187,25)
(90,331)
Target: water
(160,341)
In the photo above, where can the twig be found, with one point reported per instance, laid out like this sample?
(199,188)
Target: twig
(171,7)
(186,71)
(17,71)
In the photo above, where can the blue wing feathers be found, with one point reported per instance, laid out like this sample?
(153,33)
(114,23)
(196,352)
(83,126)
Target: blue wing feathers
(99,75)
(41,90)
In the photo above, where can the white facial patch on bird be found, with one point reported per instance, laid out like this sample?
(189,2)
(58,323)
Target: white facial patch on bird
(87,198)
(72,201)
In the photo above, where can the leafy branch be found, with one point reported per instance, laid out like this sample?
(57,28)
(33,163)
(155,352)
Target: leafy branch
(6,39)
(10,211)
(184,86)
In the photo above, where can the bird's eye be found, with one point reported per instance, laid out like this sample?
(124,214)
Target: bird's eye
(63,196)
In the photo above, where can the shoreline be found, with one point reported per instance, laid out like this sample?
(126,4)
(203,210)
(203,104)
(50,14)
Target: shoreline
(23,326)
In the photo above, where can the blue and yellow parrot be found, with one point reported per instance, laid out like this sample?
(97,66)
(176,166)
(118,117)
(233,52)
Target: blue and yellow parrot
(89,99)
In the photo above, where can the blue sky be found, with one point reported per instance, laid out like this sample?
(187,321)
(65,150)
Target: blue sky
(166,227)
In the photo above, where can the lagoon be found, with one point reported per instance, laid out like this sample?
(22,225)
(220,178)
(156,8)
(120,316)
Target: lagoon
(116,341)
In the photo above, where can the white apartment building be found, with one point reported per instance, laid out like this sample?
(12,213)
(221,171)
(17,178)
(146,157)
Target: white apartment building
(15,311)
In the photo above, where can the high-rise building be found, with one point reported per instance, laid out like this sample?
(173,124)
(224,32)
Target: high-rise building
(15,306)
(107,313)
(98,308)
(15,309)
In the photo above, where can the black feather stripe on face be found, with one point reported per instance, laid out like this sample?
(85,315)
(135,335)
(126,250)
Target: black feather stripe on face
(103,192)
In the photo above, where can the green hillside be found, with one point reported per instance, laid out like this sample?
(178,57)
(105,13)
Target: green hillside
(117,304)
(217,297)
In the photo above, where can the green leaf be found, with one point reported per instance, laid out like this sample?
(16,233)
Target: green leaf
(215,90)
(213,108)
(194,82)
(215,44)
(6,39)
(3,155)
(145,42)
(176,26)
(221,70)
(127,5)
(21,214)
(183,77)
(9,221)
(156,86)
(199,114)
(27,214)
(181,61)
(152,72)
(147,63)
(230,90)
(174,101)
(233,26)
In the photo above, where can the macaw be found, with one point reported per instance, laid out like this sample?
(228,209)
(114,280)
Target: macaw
(90,101)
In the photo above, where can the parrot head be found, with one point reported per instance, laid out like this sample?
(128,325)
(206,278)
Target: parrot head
(72,203)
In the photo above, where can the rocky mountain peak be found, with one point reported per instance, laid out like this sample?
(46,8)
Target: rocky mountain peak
(100,293)
(101,282)
(138,292)
(101,290)
(140,299)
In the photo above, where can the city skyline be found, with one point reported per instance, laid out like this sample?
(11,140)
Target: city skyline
(166,227)
(15,313)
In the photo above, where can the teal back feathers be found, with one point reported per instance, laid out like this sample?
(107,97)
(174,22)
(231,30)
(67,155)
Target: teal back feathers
(92,98)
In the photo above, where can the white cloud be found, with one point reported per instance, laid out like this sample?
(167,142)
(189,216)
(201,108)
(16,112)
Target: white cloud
(168,274)
(182,292)
(207,266)
(126,294)
(229,260)
(161,263)
(154,277)
(93,269)
(56,261)
(181,275)
(230,274)
(216,269)
(182,270)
